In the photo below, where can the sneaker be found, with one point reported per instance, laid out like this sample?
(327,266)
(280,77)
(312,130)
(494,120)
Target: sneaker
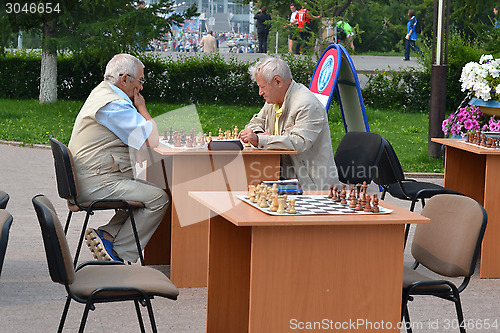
(101,248)
(406,59)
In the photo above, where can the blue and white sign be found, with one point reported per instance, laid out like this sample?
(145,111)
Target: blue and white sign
(325,73)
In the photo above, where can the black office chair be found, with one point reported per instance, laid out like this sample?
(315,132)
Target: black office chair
(392,180)
(97,281)
(5,223)
(4,199)
(357,157)
(448,246)
(67,187)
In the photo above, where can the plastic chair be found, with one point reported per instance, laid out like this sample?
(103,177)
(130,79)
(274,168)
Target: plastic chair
(357,157)
(4,199)
(448,246)
(67,187)
(5,223)
(391,178)
(97,281)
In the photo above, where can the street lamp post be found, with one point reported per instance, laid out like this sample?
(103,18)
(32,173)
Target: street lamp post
(438,75)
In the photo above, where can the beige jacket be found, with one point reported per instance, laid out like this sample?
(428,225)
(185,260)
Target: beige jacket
(303,126)
(208,43)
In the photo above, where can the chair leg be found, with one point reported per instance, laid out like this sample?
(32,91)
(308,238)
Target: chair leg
(151,315)
(407,320)
(88,306)
(136,235)
(139,316)
(64,314)
(407,232)
(412,206)
(460,314)
(82,236)
(66,226)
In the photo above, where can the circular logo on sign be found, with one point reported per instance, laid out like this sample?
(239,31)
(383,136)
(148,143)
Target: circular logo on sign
(325,73)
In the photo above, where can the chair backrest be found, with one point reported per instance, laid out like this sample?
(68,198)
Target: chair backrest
(63,163)
(4,198)
(5,223)
(56,245)
(390,170)
(357,157)
(450,244)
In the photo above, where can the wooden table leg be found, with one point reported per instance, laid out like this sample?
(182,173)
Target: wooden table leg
(490,251)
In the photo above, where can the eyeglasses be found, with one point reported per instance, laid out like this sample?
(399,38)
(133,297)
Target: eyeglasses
(142,82)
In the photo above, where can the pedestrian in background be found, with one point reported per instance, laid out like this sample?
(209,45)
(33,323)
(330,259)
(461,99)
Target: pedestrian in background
(411,35)
(495,11)
(209,43)
(293,23)
(263,26)
(349,34)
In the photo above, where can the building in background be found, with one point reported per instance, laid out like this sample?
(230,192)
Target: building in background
(221,16)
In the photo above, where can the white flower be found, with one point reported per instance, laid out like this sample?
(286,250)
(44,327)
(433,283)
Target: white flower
(482,78)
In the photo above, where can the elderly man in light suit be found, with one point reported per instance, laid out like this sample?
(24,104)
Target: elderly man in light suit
(292,119)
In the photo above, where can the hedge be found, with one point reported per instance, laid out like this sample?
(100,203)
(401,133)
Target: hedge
(193,79)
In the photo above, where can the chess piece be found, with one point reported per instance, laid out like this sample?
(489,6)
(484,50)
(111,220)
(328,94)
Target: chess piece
(330,196)
(170,137)
(375,207)
(335,197)
(251,191)
(368,207)
(274,203)
(291,208)
(281,206)
(359,206)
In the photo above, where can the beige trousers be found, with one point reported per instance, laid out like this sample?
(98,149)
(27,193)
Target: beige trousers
(122,185)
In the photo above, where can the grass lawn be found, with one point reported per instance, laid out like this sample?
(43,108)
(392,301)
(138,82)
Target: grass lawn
(29,122)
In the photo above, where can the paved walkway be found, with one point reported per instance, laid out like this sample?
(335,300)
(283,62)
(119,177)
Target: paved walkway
(31,302)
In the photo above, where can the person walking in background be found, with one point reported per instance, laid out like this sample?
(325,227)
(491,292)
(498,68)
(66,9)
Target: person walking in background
(262,28)
(303,18)
(495,11)
(209,43)
(293,22)
(411,35)
(349,34)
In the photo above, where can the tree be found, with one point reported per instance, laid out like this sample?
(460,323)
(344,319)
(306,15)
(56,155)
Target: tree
(93,28)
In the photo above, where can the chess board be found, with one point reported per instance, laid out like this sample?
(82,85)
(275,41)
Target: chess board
(315,205)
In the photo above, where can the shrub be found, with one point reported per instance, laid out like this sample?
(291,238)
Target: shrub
(192,79)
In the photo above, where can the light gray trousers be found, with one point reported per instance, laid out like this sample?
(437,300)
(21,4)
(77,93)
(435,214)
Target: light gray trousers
(122,185)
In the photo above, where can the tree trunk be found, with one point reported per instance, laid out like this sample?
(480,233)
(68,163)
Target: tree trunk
(48,70)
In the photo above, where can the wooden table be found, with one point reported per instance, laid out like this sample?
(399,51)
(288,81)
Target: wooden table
(276,273)
(475,172)
(182,238)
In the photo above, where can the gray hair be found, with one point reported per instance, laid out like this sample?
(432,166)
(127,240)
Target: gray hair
(269,68)
(122,64)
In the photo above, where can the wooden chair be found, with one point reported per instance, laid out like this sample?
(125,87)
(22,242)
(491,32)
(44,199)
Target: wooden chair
(97,281)
(448,246)
(67,186)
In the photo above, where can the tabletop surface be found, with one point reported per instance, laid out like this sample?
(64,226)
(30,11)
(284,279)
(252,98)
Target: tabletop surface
(165,150)
(227,205)
(472,148)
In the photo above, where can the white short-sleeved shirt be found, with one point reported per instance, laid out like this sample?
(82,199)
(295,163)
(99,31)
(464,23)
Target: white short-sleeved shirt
(292,17)
(122,118)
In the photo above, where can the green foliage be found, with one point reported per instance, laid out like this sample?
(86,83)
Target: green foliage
(200,78)
(406,90)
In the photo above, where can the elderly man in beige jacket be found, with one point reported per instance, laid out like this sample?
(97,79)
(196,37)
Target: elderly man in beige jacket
(209,43)
(292,119)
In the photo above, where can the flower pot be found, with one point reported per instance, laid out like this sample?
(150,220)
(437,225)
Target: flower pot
(490,107)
